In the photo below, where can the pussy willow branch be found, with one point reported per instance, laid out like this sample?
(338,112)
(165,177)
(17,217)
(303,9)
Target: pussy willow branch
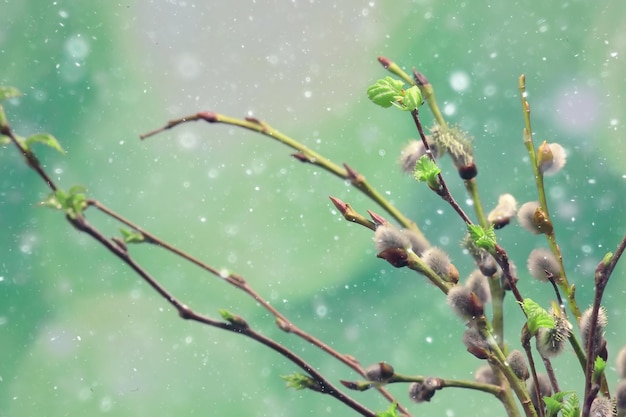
(118,248)
(303,154)
(240,283)
(603,272)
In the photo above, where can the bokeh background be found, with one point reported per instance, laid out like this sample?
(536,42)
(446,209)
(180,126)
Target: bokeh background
(81,335)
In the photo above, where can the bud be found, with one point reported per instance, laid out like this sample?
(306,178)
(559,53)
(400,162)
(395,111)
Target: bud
(475,343)
(485,375)
(464,302)
(551,342)
(395,256)
(598,336)
(542,264)
(526,216)
(479,285)
(601,407)
(551,158)
(517,362)
(545,390)
(388,236)
(413,151)
(438,261)
(513,271)
(379,372)
(423,391)
(504,211)
(418,242)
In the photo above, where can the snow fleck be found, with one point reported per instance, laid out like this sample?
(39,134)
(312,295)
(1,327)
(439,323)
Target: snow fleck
(459,81)
(449,109)
(429,339)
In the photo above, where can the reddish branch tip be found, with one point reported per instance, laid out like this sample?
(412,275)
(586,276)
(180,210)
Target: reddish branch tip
(420,78)
(385,62)
(208,116)
(253,120)
(378,219)
(300,157)
(341,206)
(352,174)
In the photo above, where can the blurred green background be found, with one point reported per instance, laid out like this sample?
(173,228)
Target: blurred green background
(81,335)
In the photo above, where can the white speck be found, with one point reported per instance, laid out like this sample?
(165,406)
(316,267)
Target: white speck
(439,211)
(1,278)
(321,311)
(591,181)
(459,81)
(614,122)
(613,54)
(381,152)
(188,340)
(78,338)
(586,249)
(63,14)
(202,219)
(308,94)
(77,47)
(429,339)
(449,109)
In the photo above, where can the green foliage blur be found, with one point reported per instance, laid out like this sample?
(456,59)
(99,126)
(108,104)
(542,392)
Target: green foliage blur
(82,335)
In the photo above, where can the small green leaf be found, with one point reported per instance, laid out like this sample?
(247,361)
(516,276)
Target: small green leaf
(234,319)
(599,365)
(571,407)
(132,237)
(484,239)
(9,92)
(537,316)
(427,171)
(412,98)
(392,411)
(72,203)
(553,406)
(386,92)
(46,139)
(298,382)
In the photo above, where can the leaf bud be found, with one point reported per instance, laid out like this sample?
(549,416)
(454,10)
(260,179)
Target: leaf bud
(395,256)
(475,343)
(485,375)
(542,264)
(388,236)
(379,372)
(526,216)
(439,262)
(517,362)
(504,211)
(423,391)
(479,285)
(551,158)
(598,336)
(464,302)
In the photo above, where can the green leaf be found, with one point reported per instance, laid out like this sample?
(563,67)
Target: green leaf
(9,92)
(392,411)
(234,319)
(571,407)
(427,171)
(132,237)
(553,406)
(537,316)
(412,99)
(73,203)
(385,92)
(484,239)
(298,382)
(46,139)
(599,365)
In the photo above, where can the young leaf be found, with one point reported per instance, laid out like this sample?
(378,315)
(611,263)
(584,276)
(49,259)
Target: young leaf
(427,171)
(299,381)
(412,99)
(571,407)
(537,316)
(132,237)
(46,139)
(553,406)
(72,202)
(390,412)
(484,239)
(9,92)
(385,92)
(599,366)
